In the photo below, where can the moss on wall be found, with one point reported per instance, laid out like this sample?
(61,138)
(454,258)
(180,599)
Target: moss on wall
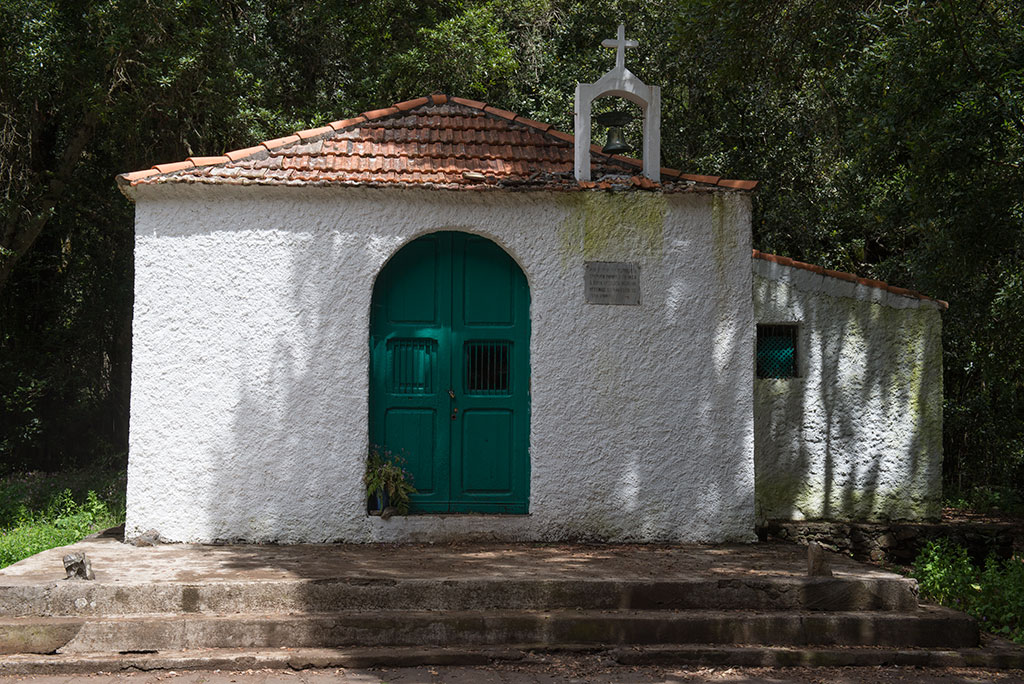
(723,239)
(607,226)
(859,434)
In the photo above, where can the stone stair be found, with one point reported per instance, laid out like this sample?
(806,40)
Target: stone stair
(94,626)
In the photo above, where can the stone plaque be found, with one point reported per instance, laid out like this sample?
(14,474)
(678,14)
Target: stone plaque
(611,282)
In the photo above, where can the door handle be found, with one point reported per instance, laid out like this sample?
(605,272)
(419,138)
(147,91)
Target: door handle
(451,393)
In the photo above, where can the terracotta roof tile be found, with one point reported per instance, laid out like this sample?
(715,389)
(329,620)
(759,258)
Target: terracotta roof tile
(345,123)
(280,142)
(139,175)
(500,112)
(380,113)
(848,277)
(411,104)
(448,142)
(711,180)
(473,104)
(314,132)
(737,184)
(565,137)
(206,161)
(247,152)
(533,124)
(176,166)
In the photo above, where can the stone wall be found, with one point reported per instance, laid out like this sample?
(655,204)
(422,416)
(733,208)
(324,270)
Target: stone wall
(857,435)
(899,542)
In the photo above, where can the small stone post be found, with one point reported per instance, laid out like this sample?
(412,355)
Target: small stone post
(818,564)
(78,566)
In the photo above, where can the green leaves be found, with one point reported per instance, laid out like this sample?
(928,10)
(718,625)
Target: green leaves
(38,512)
(387,481)
(993,594)
(470,54)
(944,573)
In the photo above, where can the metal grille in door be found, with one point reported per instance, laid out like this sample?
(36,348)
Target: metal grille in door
(487,367)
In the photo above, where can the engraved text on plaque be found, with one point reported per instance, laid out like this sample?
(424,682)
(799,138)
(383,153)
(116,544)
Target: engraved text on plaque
(611,282)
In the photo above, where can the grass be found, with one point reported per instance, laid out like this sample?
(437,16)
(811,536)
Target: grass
(993,593)
(39,511)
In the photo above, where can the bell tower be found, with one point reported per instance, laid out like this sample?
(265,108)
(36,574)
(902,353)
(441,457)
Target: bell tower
(620,82)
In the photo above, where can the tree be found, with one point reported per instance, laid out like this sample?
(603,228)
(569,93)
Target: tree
(888,138)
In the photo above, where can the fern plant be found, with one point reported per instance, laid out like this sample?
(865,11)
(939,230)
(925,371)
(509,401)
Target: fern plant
(387,481)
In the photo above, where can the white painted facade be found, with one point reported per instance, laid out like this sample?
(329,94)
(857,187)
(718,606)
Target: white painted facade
(251,361)
(858,435)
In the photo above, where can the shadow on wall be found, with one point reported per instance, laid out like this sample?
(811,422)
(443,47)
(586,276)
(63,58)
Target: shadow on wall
(292,463)
(858,436)
(290,459)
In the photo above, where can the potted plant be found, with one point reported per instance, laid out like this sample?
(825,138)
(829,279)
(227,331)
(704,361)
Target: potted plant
(388,484)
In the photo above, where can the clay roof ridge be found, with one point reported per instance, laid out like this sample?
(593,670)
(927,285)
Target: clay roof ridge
(849,277)
(400,109)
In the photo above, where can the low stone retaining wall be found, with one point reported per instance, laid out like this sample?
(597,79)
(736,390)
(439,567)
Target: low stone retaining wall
(899,542)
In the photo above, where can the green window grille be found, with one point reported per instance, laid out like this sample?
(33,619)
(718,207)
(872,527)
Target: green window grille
(776,351)
(487,367)
(413,365)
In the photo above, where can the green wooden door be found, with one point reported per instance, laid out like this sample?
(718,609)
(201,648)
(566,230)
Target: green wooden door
(449,376)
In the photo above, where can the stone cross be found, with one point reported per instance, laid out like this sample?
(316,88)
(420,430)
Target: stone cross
(620,44)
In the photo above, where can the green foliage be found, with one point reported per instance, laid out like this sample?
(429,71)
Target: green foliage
(386,479)
(39,512)
(994,594)
(1000,601)
(988,499)
(944,572)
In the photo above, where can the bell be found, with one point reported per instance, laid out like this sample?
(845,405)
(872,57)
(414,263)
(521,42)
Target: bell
(615,121)
(615,144)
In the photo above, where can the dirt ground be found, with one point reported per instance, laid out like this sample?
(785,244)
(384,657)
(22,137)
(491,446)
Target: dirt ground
(555,671)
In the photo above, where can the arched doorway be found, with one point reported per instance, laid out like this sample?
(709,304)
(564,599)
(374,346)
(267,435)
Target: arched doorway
(449,373)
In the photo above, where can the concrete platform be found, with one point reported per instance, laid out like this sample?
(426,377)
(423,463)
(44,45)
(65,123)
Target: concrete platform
(192,563)
(182,578)
(179,606)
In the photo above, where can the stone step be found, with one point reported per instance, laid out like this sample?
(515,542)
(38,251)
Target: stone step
(1006,656)
(929,627)
(467,656)
(374,593)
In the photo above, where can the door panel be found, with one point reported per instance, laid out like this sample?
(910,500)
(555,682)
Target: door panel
(486,452)
(449,337)
(489,297)
(414,295)
(410,431)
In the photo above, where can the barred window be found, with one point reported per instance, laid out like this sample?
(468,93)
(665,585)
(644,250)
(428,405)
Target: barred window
(487,367)
(776,351)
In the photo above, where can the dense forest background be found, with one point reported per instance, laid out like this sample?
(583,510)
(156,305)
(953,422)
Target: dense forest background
(888,138)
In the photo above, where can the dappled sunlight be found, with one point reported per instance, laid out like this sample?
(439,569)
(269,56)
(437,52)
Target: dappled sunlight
(858,434)
(189,563)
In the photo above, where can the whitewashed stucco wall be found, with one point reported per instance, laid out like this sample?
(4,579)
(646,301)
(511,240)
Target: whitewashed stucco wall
(859,434)
(250,363)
